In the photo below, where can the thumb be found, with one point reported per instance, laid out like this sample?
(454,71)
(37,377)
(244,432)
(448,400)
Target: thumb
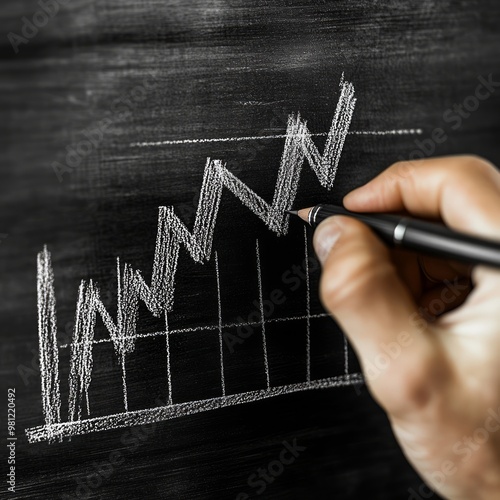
(361,288)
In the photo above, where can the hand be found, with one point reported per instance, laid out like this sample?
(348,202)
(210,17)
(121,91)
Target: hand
(426,331)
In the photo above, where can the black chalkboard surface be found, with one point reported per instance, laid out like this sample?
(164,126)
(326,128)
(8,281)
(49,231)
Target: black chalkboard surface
(162,335)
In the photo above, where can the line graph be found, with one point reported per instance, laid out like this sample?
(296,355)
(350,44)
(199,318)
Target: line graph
(158,296)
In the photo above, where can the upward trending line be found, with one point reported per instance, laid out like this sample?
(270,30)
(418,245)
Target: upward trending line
(171,233)
(298,147)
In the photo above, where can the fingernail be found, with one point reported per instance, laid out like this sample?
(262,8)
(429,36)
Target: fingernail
(325,237)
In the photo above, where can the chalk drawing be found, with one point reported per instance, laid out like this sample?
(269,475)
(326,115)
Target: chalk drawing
(405,131)
(219,311)
(47,339)
(150,415)
(262,317)
(158,296)
(208,328)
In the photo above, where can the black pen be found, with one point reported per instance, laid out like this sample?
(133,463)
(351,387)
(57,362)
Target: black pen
(414,234)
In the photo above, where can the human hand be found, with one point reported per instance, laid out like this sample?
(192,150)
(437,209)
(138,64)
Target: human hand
(426,331)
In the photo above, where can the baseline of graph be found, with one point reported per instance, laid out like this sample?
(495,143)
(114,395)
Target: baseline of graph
(168,412)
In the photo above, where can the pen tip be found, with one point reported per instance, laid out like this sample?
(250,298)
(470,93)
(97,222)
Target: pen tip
(292,212)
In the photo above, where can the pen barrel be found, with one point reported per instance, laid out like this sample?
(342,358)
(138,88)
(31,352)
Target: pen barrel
(421,236)
(437,240)
(382,224)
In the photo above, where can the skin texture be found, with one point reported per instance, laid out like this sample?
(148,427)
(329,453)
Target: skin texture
(429,348)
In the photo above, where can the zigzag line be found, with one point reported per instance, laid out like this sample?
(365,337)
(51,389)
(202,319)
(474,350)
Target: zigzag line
(172,233)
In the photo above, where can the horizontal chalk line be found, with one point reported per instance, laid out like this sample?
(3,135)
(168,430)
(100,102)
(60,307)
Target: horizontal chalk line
(198,329)
(408,131)
(162,413)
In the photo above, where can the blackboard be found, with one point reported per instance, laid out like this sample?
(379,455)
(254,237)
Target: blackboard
(110,110)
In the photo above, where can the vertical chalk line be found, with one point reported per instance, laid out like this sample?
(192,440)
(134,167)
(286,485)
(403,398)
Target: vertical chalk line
(219,304)
(88,404)
(119,318)
(308,309)
(262,322)
(124,383)
(47,338)
(169,374)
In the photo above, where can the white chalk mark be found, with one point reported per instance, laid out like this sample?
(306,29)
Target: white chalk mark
(171,235)
(209,328)
(219,311)
(120,318)
(87,401)
(401,132)
(260,103)
(122,333)
(169,372)
(324,167)
(47,338)
(262,316)
(159,414)
(124,383)
(81,361)
(308,309)
(346,356)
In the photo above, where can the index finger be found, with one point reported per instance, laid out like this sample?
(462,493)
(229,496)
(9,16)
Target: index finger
(464,191)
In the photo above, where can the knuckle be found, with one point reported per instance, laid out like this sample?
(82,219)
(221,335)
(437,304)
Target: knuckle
(417,383)
(412,388)
(477,165)
(398,165)
(405,169)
